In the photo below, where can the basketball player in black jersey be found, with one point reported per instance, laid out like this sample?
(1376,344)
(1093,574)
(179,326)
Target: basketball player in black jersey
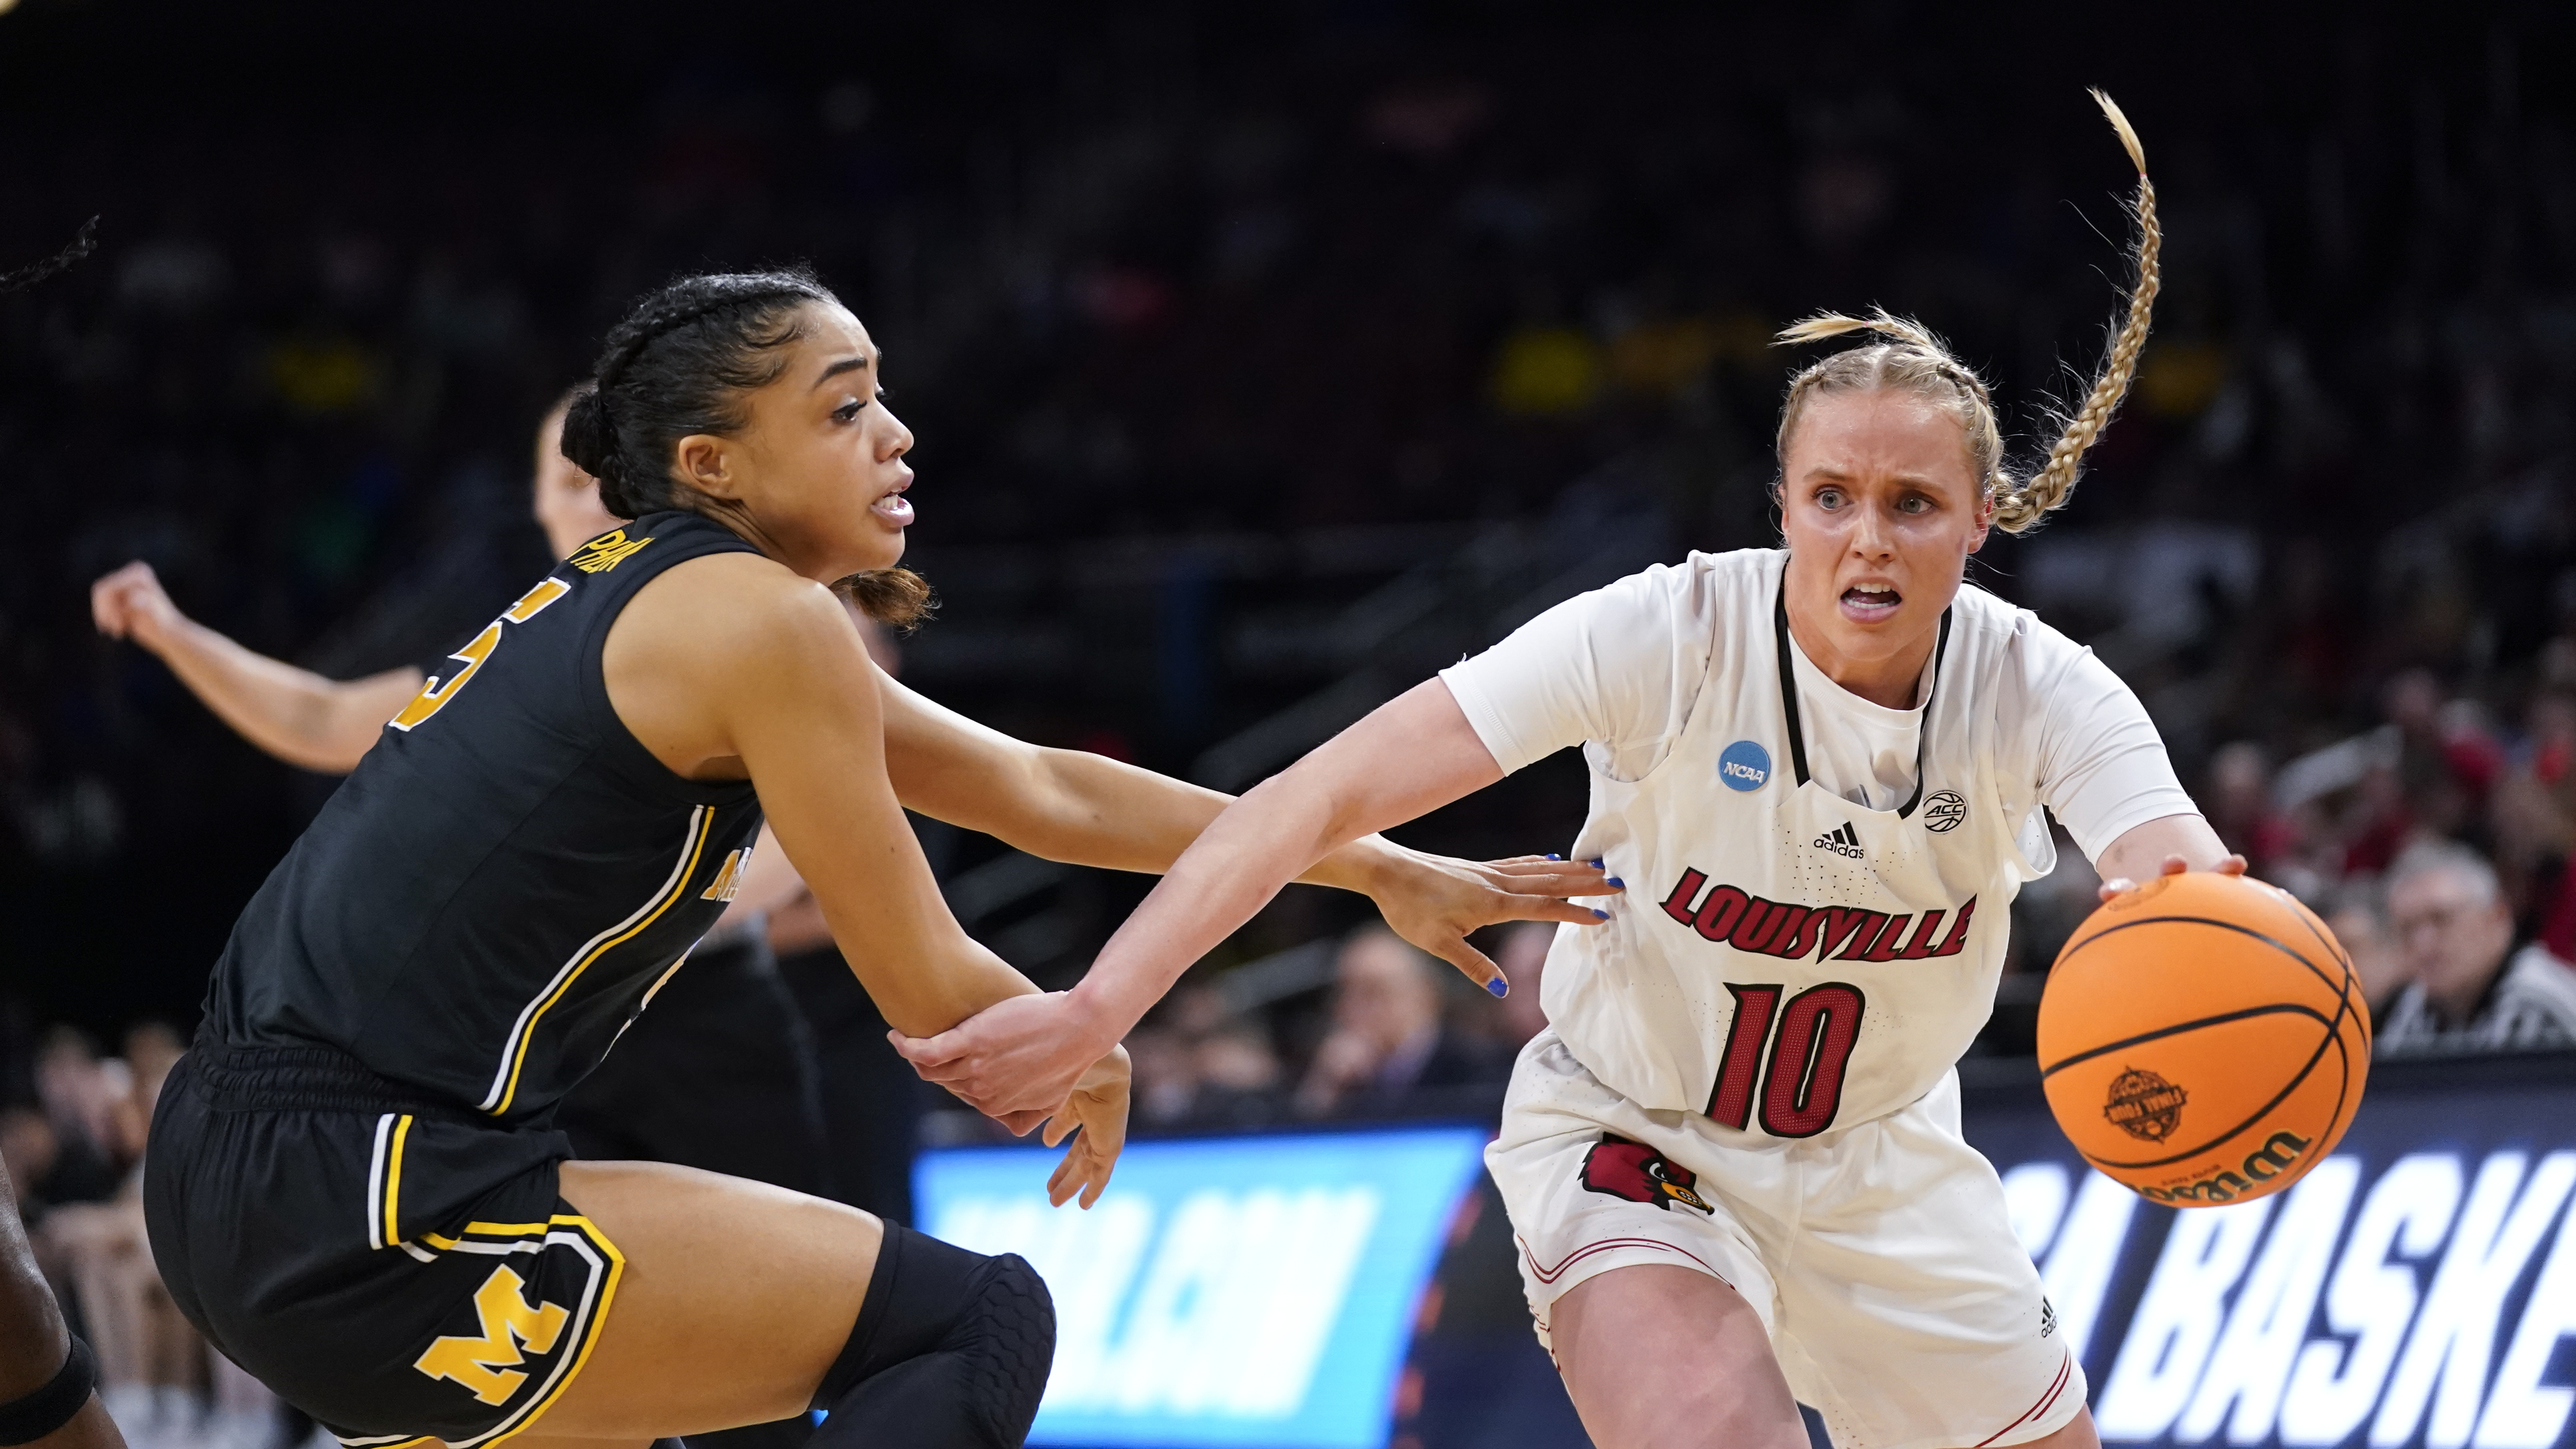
(732,1090)
(724,1076)
(354,1189)
(48,1379)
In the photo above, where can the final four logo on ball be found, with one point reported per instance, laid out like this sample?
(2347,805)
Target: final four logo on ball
(1744,766)
(2145,1105)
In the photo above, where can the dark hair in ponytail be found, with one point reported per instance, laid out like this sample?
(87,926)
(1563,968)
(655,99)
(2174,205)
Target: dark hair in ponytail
(679,364)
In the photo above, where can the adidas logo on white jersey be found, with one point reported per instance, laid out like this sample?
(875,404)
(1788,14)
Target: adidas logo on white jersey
(1842,841)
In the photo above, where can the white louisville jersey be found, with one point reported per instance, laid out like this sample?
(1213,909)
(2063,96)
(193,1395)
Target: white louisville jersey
(1787,961)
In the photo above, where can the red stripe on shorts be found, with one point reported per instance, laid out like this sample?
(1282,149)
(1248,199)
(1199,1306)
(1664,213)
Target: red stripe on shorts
(1550,1275)
(2065,1373)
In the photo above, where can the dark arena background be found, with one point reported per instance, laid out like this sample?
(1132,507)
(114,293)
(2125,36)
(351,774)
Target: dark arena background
(1263,359)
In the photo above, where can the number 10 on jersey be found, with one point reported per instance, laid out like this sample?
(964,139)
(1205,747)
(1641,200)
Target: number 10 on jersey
(1800,1086)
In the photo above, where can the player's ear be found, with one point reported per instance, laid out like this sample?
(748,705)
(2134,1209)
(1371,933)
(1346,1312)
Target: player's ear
(1985,520)
(704,462)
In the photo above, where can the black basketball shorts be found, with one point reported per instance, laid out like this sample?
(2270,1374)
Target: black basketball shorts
(396,1269)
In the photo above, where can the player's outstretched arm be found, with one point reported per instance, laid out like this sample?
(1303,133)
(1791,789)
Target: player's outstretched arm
(1071,805)
(1412,755)
(294,714)
(728,667)
(2169,845)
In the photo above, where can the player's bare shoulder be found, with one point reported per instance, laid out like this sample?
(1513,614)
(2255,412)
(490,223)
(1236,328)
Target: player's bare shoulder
(715,636)
(723,615)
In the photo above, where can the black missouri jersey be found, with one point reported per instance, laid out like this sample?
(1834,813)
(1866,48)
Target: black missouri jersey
(498,888)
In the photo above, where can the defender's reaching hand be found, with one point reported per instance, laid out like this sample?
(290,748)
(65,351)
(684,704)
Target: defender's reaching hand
(1023,1055)
(1095,1117)
(1435,902)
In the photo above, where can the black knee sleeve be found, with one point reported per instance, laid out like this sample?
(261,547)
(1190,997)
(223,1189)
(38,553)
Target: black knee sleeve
(951,1351)
(31,1417)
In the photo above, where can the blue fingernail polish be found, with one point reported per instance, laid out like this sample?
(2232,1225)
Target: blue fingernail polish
(1621,884)
(1605,915)
(1595,864)
(1499,987)
(1555,857)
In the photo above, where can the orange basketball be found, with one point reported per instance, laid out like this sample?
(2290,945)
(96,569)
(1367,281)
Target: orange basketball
(2202,1040)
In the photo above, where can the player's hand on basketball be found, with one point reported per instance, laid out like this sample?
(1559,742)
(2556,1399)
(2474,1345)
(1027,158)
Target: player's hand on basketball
(1095,1117)
(1020,1055)
(131,604)
(1435,902)
(2119,886)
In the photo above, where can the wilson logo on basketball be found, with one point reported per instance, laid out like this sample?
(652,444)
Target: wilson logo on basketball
(2145,1105)
(1734,917)
(2278,1154)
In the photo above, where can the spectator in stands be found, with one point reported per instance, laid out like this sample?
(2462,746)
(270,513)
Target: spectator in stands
(151,1363)
(2359,921)
(1166,1075)
(1239,1075)
(79,1094)
(1201,1064)
(2241,808)
(2472,991)
(1523,957)
(1387,1053)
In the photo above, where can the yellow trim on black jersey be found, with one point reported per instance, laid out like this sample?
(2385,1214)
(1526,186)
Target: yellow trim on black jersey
(588,1329)
(505,1085)
(393,1180)
(608,1268)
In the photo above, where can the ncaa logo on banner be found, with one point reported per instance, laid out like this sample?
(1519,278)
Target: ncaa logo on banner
(1744,766)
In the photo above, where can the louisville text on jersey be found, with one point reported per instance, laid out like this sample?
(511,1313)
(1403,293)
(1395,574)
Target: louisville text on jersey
(1734,917)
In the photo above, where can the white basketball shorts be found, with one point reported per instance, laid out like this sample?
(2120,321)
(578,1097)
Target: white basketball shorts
(1879,1256)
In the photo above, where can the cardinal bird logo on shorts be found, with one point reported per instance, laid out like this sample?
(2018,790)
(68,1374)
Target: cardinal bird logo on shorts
(2145,1105)
(1639,1173)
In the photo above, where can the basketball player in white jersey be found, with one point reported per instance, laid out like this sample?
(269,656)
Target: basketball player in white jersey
(1734,1163)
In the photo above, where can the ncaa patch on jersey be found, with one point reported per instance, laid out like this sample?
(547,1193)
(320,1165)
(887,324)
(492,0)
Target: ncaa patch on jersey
(1744,766)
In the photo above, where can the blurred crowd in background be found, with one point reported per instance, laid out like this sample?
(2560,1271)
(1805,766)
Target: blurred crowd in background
(1262,361)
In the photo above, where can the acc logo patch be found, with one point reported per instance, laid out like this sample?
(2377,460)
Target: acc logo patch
(1944,812)
(2145,1105)
(1620,1168)
(1744,766)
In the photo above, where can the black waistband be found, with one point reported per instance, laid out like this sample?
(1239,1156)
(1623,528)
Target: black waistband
(305,1079)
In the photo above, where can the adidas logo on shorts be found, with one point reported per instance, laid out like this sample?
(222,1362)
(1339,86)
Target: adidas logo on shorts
(1842,841)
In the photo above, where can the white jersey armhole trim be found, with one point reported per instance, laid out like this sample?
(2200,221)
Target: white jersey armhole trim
(1702,576)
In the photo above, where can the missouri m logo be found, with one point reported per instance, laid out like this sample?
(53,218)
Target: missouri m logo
(488,1366)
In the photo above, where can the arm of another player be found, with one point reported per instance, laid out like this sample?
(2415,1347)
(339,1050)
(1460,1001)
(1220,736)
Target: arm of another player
(294,714)
(1072,805)
(729,664)
(1411,756)
(2168,846)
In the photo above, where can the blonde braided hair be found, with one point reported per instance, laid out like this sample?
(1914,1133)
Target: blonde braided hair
(1914,360)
